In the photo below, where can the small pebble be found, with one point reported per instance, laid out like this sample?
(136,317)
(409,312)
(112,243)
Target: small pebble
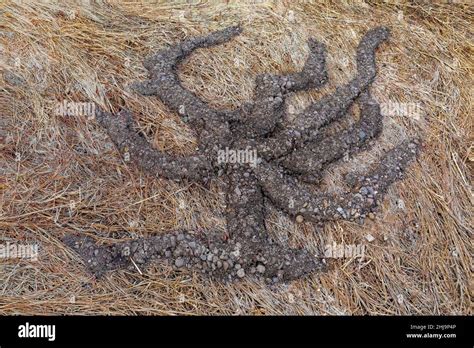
(179,262)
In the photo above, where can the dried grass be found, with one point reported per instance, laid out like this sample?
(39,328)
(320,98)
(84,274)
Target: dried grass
(421,259)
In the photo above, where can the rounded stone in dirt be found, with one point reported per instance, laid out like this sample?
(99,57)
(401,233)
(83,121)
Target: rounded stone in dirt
(179,262)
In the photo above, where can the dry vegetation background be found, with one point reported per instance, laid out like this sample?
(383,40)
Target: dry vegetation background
(61,174)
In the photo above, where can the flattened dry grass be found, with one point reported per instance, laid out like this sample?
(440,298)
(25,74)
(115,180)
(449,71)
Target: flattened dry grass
(61,174)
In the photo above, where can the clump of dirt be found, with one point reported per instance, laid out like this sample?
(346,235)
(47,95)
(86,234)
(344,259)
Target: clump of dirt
(286,156)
